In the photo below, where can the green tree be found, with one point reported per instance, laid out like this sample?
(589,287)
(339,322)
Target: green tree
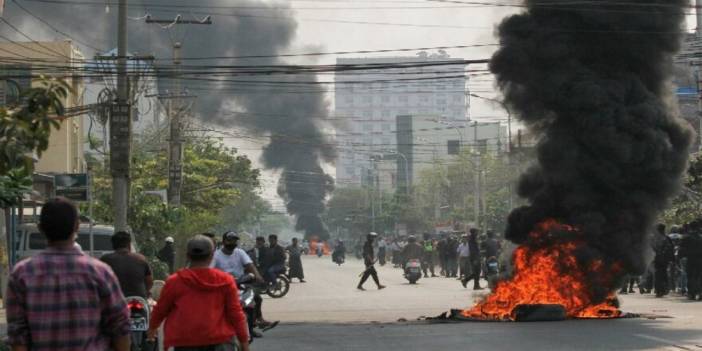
(215,178)
(687,206)
(25,129)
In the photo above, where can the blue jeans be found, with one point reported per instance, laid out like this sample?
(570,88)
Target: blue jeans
(273,272)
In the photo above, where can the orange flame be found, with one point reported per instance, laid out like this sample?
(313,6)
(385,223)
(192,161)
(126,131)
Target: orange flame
(550,274)
(313,247)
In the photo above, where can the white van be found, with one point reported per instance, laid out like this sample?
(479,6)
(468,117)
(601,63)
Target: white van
(30,241)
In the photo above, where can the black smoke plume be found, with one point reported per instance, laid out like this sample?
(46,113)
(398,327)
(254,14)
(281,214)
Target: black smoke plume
(286,109)
(590,79)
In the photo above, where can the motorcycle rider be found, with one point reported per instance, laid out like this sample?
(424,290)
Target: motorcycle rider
(369,261)
(275,259)
(132,269)
(233,260)
(413,251)
(339,254)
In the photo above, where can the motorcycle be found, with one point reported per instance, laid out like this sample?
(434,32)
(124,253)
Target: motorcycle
(247,294)
(338,257)
(139,316)
(279,287)
(492,271)
(413,271)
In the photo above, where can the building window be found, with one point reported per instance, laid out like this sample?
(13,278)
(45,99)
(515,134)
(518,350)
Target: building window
(441,102)
(386,142)
(453,147)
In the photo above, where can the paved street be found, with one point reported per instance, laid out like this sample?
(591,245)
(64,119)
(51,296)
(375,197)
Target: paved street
(328,310)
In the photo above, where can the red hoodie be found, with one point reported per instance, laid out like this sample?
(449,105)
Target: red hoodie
(201,307)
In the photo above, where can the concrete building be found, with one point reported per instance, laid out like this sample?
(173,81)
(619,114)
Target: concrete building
(425,139)
(367,102)
(65,152)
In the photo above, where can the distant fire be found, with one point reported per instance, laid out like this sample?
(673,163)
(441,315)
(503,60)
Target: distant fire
(546,271)
(314,243)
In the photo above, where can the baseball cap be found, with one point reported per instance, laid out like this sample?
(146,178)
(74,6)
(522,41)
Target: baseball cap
(230,235)
(199,246)
(170,239)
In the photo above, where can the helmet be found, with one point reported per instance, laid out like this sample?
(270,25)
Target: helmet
(412,238)
(170,239)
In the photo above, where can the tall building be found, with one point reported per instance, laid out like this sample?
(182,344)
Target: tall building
(421,142)
(367,102)
(65,152)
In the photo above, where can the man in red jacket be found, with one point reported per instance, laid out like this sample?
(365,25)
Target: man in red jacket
(200,305)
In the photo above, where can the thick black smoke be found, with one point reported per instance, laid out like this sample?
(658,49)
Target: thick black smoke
(286,109)
(591,80)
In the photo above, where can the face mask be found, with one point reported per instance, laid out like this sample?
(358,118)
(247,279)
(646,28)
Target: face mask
(230,246)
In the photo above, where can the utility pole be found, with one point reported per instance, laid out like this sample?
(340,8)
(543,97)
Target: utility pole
(120,127)
(476,177)
(176,113)
(698,32)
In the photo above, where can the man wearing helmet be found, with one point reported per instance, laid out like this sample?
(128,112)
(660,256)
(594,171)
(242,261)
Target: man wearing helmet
(369,260)
(167,254)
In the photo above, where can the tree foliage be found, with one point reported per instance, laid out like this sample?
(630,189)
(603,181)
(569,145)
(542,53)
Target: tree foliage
(220,186)
(25,129)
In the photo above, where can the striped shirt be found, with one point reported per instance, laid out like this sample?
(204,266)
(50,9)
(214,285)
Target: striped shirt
(64,300)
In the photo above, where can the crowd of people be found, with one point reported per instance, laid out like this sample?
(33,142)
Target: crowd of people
(464,256)
(63,298)
(676,266)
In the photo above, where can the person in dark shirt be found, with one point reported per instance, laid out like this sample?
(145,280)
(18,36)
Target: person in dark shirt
(275,258)
(295,253)
(131,269)
(412,250)
(492,246)
(167,254)
(369,261)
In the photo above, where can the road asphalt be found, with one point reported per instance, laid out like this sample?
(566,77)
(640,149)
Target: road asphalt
(328,313)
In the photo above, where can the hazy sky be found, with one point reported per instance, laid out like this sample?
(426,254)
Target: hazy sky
(340,25)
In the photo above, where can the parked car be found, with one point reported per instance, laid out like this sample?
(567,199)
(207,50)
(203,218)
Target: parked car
(30,241)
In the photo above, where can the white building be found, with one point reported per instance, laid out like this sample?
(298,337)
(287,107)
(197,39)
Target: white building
(424,139)
(367,102)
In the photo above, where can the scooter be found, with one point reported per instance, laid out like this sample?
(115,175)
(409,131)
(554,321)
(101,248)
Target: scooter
(413,270)
(139,316)
(338,257)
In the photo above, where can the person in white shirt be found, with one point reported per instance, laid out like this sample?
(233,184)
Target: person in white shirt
(235,261)
(464,260)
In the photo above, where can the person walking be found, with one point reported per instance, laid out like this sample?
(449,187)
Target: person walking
(295,259)
(167,254)
(200,305)
(369,261)
(132,270)
(62,299)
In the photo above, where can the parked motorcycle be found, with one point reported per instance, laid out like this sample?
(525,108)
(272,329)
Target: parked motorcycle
(413,270)
(139,316)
